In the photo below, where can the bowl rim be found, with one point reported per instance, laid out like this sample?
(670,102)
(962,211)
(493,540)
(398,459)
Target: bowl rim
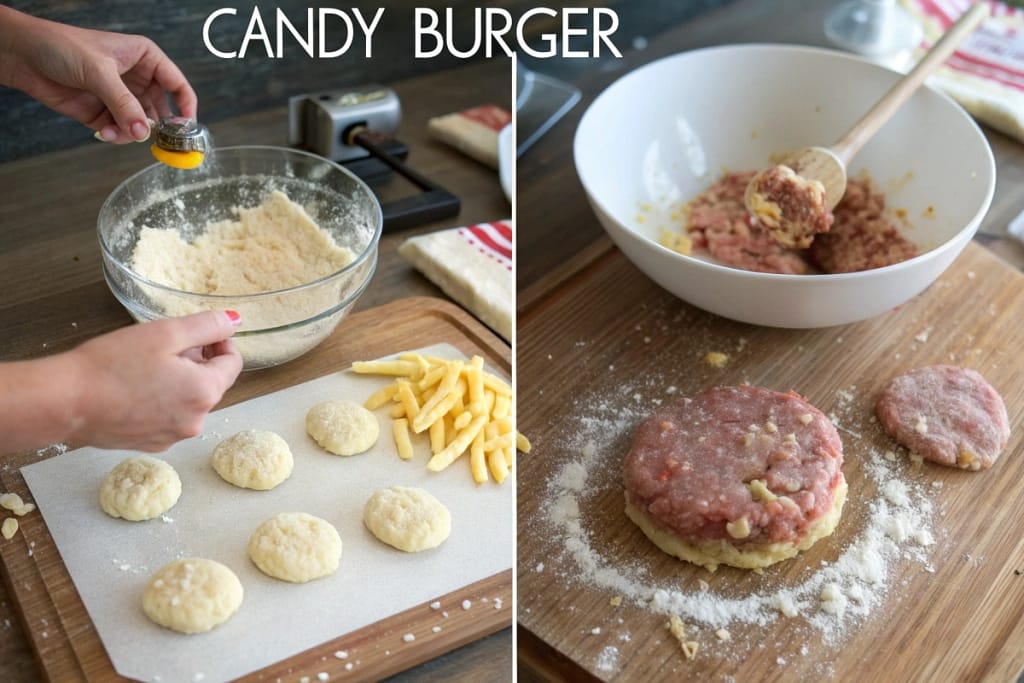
(971,226)
(132,306)
(371,247)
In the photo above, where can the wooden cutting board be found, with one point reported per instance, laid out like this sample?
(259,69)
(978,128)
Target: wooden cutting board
(609,340)
(65,642)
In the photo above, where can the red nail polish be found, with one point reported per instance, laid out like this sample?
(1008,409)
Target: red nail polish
(234,317)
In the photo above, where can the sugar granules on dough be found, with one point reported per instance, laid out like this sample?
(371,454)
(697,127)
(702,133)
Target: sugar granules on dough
(894,524)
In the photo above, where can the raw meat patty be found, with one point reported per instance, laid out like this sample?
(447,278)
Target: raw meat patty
(742,475)
(946,414)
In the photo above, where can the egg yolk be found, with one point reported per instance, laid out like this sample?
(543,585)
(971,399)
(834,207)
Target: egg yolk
(184,160)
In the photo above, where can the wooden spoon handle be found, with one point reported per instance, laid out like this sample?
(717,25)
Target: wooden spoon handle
(868,125)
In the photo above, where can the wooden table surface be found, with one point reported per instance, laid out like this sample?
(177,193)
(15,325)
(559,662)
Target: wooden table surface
(54,296)
(558,234)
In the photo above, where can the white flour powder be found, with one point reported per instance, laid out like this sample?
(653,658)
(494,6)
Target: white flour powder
(608,659)
(894,523)
(272,248)
(274,245)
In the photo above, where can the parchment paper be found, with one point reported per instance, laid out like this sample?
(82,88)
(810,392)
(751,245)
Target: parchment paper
(111,560)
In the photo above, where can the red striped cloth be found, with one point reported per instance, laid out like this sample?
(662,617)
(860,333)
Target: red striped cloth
(994,51)
(986,73)
(493,240)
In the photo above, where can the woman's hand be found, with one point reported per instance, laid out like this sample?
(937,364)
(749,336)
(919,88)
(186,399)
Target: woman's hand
(145,387)
(110,82)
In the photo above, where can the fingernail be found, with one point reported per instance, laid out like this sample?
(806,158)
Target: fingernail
(234,317)
(107,134)
(140,131)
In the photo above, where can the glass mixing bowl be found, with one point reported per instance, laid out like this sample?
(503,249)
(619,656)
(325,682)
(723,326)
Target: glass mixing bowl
(277,326)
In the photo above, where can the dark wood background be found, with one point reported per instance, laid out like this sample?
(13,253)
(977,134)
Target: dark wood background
(228,87)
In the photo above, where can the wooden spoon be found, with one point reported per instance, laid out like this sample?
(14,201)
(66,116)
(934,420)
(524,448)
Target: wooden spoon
(795,199)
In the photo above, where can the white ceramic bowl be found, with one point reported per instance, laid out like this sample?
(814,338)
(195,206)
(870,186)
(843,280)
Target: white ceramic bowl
(664,132)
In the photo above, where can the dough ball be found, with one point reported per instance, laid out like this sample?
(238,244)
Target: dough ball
(192,595)
(253,459)
(140,488)
(409,519)
(342,427)
(296,547)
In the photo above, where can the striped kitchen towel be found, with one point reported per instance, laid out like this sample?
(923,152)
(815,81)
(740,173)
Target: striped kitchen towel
(472,265)
(986,73)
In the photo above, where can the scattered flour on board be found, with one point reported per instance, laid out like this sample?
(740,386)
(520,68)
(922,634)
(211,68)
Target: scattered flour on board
(608,659)
(51,450)
(894,524)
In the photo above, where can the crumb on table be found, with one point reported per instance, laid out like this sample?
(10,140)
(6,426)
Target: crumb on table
(716,359)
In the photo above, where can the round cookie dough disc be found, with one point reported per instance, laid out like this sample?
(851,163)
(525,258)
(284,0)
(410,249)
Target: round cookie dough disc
(342,427)
(409,519)
(253,459)
(947,414)
(192,595)
(140,488)
(296,547)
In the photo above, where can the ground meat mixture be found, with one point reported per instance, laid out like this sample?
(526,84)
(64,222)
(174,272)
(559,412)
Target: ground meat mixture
(720,225)
(744,464)
(861,237)
(947,414)
(790,206)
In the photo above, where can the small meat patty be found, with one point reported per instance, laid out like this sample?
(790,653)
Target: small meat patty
(947,414)
(743,476)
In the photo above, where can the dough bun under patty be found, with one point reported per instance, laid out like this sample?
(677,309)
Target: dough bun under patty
(709,554)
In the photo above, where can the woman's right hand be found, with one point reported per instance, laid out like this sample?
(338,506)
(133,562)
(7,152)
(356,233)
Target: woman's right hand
(111,82)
